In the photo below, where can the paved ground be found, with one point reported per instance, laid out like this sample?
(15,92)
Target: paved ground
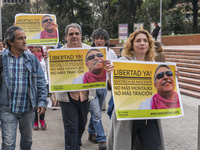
(180,133)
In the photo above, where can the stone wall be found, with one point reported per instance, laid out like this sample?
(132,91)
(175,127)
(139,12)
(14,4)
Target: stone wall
(181,40)
(174,40)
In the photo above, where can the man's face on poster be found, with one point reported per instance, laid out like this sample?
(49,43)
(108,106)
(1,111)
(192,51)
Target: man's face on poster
(164,82)
(95,61)
(48,24)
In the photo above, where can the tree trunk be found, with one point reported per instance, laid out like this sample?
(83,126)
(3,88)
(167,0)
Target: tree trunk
(195,13)
(72,12)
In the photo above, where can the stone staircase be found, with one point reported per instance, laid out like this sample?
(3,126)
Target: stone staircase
(188,64)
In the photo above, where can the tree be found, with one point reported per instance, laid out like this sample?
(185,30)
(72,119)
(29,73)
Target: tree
(9,12)
(195,15)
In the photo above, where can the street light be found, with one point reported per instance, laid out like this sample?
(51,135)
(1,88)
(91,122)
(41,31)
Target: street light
(0,22)
(161,21)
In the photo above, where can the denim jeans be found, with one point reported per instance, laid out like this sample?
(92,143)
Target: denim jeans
(95,124)
(9,122)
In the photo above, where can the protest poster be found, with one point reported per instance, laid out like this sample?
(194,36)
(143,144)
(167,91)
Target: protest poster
(40,29)
(76,69)
(145,90)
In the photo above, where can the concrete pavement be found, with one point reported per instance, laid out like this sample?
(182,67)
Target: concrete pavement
(180,133)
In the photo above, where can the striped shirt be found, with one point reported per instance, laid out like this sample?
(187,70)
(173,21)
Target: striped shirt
(19,83)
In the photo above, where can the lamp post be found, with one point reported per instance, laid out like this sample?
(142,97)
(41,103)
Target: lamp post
(161,21)
(37,6)
(0,22)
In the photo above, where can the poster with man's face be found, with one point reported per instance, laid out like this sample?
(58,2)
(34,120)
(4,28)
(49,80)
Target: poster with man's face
(76,69)
(40,29)
(145,90)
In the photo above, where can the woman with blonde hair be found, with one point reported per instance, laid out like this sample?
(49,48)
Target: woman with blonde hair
(160,55)
(127,134)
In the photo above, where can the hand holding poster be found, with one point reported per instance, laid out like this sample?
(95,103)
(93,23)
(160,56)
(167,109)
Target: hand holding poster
(40,29)
(145,90)
(77,69)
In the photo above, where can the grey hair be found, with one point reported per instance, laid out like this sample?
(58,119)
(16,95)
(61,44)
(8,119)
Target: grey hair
(100,33)
(90,51)
(75,25)
(160,66)
(10,35)
(44,17)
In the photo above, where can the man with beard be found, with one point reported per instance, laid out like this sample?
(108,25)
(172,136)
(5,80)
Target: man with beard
(49,31)
(166,97)
(95,63)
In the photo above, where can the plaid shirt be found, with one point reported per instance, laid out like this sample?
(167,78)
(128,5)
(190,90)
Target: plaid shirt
(19,83)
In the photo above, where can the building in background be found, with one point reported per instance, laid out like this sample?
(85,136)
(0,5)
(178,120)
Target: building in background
(17,1)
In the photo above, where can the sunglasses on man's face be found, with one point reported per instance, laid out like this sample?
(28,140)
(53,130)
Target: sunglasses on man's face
(76,33)
(91,57)
(162,74)
(46,20)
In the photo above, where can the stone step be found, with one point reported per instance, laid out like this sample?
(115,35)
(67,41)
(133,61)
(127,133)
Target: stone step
(189,93)
(189,80)
(181,54)
(189,75)
(186,65)
(182,50)
(189,86)
(183,57)
(190,70)
(183,60)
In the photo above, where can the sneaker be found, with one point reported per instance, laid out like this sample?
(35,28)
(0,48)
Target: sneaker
(92,138)
(43,125)
(102,145)
(36,127)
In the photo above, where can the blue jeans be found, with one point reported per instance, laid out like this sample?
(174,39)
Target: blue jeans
(95,125)
(9,122)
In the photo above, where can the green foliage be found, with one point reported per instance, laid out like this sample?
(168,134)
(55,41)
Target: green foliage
(87,42)
(150,12)
(9,12)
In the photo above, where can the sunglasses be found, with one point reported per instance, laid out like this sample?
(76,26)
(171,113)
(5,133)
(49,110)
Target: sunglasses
(91,57)
(76,33)
(162,74)
(46,20)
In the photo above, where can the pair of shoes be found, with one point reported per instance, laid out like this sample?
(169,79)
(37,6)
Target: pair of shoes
(36,127)
(43,125)
(102,145)
(92,138)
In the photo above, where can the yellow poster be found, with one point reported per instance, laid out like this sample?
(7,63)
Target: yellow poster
(39,28)
(145,90)
(77,69)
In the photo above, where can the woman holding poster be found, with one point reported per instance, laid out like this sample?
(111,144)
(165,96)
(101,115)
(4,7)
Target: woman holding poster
(122,134)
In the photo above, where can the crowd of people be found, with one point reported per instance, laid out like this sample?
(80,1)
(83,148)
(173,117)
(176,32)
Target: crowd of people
(25,83)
